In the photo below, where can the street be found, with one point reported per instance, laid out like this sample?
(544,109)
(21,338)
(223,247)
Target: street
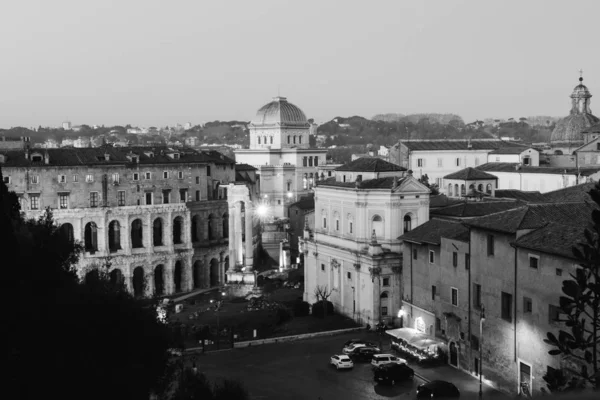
(300,370)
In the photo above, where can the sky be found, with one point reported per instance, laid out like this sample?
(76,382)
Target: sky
(159,63)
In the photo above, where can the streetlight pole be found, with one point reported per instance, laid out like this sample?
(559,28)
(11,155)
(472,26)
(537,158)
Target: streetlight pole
(218,309)
(481,320)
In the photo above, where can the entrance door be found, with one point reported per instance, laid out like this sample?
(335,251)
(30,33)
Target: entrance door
(453,354)
(524,380)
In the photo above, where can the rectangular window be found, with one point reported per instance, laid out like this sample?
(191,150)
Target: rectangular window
(148,198)
(386,281)
(63,201)
(179,174)
(433,292)
(136,176)
(93,199)
(419,162)
(534,261)
(506,303)
(6,179)
(349,274)
(415,253)
(553,314)
(35,179)
(337,224)
(89,178)
(115,178)
(34,202)
(197,195)
(438,324)
(527,305)
(431,257)
(477,296)
(208,170)
(324,223)
(454,294)
(454,259)
(350,226)
(558,272)
(467,261)
(289,186)
(121,198)
(384,311)
(148,175)
(490,245)
(62,179)
(183,195)
(439,162)
(165,174)
(322,267)
(166,195)
(458,162)
(75,178)
(197,180)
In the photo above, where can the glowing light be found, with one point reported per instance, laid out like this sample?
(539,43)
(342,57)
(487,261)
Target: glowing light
(401,313)
(262,210)
(290,195)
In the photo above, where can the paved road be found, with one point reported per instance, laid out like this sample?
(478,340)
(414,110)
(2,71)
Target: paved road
(300,370)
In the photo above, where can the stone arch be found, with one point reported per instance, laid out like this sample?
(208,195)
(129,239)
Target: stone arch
(211,227)
(91,237)
(197,274)
(471,186)
(114,236)
(116,277)
(138,282)
(377,225)
(178,276)
(480,187)
(449,189)
(92,275)
(408,219)
(67,232)
(225,223)
(463,190)
(558,152)
(214,272)
(178,230)
(159,280)
(194,228)
(456,190)
(137,232)
(488,188)
(157,232)
(384,305)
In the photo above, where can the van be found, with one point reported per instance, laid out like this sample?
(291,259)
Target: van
(381,359)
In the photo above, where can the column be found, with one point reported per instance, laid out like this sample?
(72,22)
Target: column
(168,231)
(125,234)
(188,270)
(232,237)
(238,234)
(169,284)
(149,278)
(147,233)
(249,262)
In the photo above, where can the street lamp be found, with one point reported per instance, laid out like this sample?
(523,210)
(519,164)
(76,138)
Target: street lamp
(481,320)
(218,309)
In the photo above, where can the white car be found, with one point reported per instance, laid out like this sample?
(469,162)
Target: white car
(381,359)
(341,361)
(350,348)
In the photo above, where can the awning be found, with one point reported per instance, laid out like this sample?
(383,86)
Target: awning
(406,334)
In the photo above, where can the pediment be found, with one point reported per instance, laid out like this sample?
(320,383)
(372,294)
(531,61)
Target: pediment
(411,184)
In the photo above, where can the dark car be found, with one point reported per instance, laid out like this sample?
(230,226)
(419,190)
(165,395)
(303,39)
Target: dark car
(438,390)
(359,341)
(392,373)
(363,353)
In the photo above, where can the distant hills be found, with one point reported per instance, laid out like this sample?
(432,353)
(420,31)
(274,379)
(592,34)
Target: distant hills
(443,119)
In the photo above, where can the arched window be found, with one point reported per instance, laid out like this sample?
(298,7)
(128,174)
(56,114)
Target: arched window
(271,139)
(195,228)
(114,236)
(456,190)
(264,139)
(91,237)
(377,225)
(407,223)
(157,232)
(66,230)
(138,282)
(159,280)
(449,189)
(480,187)
(300,139)
(289,139)
(462,190)
(488,188)
(137,234)
(310,161)
(225,220)
(336,218)
(294,139)
(259,140)
(177,230)
(211,227)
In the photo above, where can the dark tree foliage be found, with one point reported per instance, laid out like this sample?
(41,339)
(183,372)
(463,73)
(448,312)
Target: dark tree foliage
(580,312)
(435,190)
(320,309)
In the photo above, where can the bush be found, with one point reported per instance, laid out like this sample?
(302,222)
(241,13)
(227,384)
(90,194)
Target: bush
(282,315)
(318,309)
(301,308)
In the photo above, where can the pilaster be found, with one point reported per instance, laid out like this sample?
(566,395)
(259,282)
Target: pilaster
(239,259)
(232,237)
(249,261)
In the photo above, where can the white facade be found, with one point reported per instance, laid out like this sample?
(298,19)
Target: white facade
(527,157)
(538,181)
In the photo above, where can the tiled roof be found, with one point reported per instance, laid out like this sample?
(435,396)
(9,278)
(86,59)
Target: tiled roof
(243,176)
(512,167)
(441,200)
(529,197)
(305,203)
(444,144)
(509,150)
(432,231)
(244,167)
(471,209)
(577,193)
(379,183)
(554,239)
(470,174)
(370,165)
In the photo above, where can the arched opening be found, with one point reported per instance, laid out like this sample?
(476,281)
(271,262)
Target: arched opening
(177,230)
(456,190)
(197,274)
(463,190)
(114,236)
(259,140)
(116,277)
(480,187)
(271,139)
(91,237)
(488,188)
(384,306)
(377,226)
(194,229)
(214,272)
(66,231)
(289,139)
(136,234)
(294,139)
(558,152)
(225,222)
(157,232)
(138,282)
(226,266)
(265,139)
(177,276)
(449,189)
(159,280)
(211,227)
(407,223)
(300,139)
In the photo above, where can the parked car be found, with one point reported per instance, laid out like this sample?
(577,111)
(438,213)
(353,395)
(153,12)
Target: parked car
(341,361)
(438,390)
(365,354)
(350,349)
(361,341)
(392,373)
(381,359)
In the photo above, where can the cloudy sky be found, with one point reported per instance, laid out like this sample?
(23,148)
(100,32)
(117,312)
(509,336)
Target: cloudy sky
(158,62)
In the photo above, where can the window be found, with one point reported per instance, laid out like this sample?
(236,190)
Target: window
(350,226)
(431,257)
(467,261)
(271,139)
(506,303)
(148,198)
(433,292)
(259,140)
(165,174)
(197,195)
(553,314)
(75,178)
(289,186)
(337,224)
(6,179)
(415,253)
(349,274)
(386,281)
(136,176)
(419,162)
(477,296)
(197,180)
(166,196)
(454,259)
(497,158)
(34,201)
(35,179)
(89,178)
(527,305)
(322,267)
(454,295)
(438,324)
(93,199)
(183,195)
(278,202)
(490,245)
(121,198)
(439,160)
(63,201)
(208,170)
(179,174)
(458,162)
(148,175)
(558,272)
(534,261)
(384,311)
(115,178)
(62,179)
(324,222)
(526,160)
(407,223)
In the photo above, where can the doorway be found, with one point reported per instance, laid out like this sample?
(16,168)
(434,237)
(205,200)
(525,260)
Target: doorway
(453,354)
(524,379)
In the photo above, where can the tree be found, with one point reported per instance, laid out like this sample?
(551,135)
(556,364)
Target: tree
(433,187)
(322,293)
(580,311)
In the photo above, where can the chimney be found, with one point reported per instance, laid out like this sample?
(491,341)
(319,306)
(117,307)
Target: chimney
(46,157)
(409,172)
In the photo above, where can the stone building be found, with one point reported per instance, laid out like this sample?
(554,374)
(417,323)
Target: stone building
(158,216)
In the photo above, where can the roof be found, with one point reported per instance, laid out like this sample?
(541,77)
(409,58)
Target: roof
(244,167)
(554,239)
(577,193)
(512,167)
(379,183)
(445,144)
(280,113)
(365,164)
(471,209)
(432,231)
(470,174)
(592,129)
(305,203)
(529,197)
(441,200)
(510,150)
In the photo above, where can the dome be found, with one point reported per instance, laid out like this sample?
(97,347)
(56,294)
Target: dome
(280,113)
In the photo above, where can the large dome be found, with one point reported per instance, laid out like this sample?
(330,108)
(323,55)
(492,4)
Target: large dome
(280,113)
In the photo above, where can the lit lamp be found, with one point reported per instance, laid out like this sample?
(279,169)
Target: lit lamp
(401,313)
(218,308)
(290,195)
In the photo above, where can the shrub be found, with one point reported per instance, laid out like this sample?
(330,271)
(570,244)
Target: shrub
(282,315)
(301,308)
(318,309)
